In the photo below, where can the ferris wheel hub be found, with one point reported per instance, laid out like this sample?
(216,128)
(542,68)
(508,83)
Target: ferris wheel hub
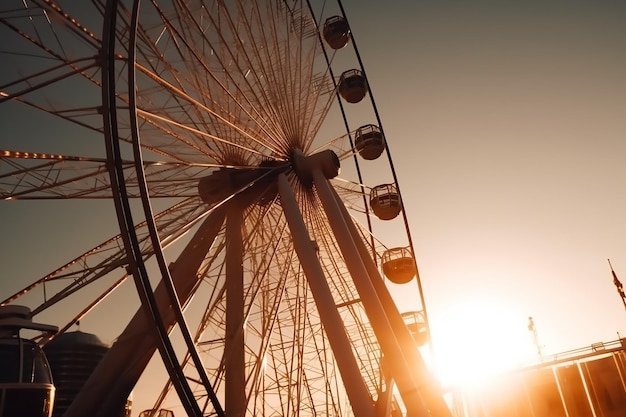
(249,185)
(326,161)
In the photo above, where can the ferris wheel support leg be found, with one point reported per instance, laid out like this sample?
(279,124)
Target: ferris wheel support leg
(430,393)
(400,366)
(356,389)
(235,379)
(112,381)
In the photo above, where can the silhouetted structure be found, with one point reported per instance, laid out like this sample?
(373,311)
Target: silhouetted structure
(73,356)
(582,383)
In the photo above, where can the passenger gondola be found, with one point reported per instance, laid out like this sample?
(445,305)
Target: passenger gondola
(26,387)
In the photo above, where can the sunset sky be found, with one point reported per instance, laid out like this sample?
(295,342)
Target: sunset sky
(506,123)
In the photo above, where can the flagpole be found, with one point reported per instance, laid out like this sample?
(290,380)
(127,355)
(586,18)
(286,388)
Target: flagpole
(618,285)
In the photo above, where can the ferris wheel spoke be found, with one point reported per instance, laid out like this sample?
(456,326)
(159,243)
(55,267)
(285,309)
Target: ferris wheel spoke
(126,350)
(197,57)
(278,70)
(229,96)
(53,12)
(178,130)
(266,60)
(95,263)
(48,27)
(44,64)
(164,140)
(79,113)
(239,70)
(27,175)
(34,84)
(282,68)
(241,66)
(196,132)
(101,262)
(219,118)
(216,70)
(256,291)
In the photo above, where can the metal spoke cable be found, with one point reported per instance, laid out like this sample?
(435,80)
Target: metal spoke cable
(251,99)
(191,100)
(198,59)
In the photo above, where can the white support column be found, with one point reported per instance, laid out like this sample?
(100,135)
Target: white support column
(406,380)
(235,378)
(431,395)
(117,373)
(356,389)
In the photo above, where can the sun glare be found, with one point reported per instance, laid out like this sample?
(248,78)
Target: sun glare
(478,338)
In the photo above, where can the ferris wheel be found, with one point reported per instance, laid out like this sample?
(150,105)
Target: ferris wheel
(232,154)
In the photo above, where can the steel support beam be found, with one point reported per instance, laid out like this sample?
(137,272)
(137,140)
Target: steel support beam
(401,368)
(235,377)
(430,394)
(357,391)
(115,377)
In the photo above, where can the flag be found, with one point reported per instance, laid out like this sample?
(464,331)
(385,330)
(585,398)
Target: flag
(618,284)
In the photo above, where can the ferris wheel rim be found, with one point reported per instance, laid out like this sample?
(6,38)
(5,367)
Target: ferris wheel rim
(141,188)
(127,225)
(144,190)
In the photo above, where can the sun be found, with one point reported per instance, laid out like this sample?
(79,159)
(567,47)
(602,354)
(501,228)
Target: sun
(477,338)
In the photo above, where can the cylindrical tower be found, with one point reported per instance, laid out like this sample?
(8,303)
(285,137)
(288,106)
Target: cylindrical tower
(72,357)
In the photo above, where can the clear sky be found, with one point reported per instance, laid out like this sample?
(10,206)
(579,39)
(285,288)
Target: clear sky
(506,124)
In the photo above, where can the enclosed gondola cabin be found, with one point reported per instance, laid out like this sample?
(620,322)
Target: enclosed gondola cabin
(352,86)
(416,323)
(369,142)
(398,265)
(336,32)
(26,388)
(385,201)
